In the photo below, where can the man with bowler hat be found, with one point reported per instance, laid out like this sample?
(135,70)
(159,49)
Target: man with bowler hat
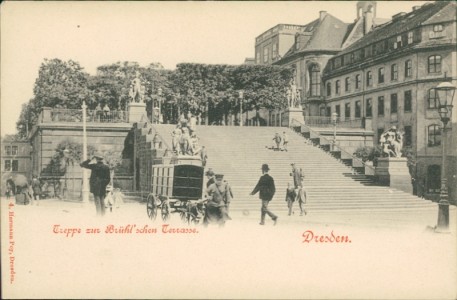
(99,179)
(266,189)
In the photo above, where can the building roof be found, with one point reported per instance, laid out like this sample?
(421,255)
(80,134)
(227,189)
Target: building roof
(315,35)
(13,138)
(406,22)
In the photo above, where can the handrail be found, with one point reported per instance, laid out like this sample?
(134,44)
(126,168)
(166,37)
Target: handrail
(331,142)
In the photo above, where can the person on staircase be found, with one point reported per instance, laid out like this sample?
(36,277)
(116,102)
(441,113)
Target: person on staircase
(266,188)
(277,139)
(297,175)
(290,197)
(285,141)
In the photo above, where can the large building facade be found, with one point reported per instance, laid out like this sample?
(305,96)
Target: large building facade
(388,78)
(379,73)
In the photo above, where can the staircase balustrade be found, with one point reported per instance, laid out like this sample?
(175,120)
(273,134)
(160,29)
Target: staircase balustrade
(356,163)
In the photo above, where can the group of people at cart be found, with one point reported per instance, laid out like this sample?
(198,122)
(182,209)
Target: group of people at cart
(280,142)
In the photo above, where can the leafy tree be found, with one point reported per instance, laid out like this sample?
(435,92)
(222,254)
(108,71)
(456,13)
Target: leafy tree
(368,153)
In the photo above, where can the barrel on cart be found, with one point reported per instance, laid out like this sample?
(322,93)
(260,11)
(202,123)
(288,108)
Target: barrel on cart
(177,188)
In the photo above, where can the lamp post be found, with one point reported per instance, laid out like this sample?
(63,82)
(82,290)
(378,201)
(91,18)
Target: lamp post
(334,119)
(85,185)
(66,154)
(445,92)
(159,94)
(240,95)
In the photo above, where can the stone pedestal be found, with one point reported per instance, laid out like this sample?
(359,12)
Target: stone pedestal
(136,112)
(291,114)
(393,171)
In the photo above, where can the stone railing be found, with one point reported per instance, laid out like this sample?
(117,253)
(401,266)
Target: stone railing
(50,115)
(327,122)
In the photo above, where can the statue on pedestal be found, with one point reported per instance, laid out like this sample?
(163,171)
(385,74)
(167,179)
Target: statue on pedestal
(391,142)
(291,94)
(137,89)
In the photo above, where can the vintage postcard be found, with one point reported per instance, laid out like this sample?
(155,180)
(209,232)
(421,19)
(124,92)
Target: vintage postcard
(228,150)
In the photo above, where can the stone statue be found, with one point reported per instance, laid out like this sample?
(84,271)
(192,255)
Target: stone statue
(136,92)
(297,103)
(391,142)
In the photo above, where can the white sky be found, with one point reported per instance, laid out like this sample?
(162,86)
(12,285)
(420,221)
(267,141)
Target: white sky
(97,33)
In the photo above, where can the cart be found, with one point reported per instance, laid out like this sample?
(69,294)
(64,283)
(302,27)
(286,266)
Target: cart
(177,187)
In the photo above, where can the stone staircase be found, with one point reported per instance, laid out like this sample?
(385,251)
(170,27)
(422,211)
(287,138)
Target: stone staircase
(239,152)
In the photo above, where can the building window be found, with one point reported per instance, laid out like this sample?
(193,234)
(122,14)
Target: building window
(437,28)
(369,78)
(408,68)
(397,44)
(434,135)
(11,165)
(381,75)
(434,64)
(393,103)
(15,166)
(337,87)
(358,81)
(315,80)
(410,37)
(8,150)
(275,51)
(265,55)
(258,57)
(347,110)
(432,103)
(369,108)
(380,132)
(408,101)
(7,165)
(347,84)
(408,136)
(393,72)
(328,111)
(381,106)
(358,109)
(14,150)
(337,110)
(329,88)
(434,179)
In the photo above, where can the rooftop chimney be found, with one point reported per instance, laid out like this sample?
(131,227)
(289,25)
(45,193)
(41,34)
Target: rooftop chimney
(394,17)
(322,14)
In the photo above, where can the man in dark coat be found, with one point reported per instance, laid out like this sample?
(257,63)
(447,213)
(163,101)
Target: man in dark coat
(99,179)
(266,189)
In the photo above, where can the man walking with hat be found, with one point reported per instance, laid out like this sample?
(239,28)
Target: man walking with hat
(219,198)
(266,189)
(99,179)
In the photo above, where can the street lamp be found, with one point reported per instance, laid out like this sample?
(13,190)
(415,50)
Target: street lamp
(66,154)
(445,94)
(240,95)
(334,119)
(85,185)
(159,94)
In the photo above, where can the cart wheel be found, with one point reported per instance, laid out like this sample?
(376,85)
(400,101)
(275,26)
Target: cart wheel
(151,207)
(165,211)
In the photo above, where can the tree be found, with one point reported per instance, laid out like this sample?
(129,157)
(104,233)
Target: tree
(60,83)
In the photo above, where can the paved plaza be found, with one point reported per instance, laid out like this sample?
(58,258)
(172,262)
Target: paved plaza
(376,255)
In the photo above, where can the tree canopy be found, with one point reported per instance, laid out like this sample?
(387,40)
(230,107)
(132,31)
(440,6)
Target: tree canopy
(191,87)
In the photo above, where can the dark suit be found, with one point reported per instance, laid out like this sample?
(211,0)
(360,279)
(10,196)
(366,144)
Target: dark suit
(266,189)
(99,179)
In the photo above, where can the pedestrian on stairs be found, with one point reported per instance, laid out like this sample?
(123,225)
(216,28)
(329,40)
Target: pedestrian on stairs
(285,141)
(266,188)
(277,139)
(301,198)
(297,176)
(291,195)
